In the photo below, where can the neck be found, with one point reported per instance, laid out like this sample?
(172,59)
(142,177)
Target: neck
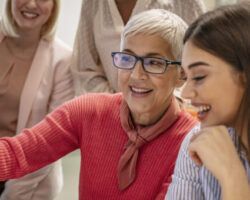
(26,39)
(149,118)
(22,48)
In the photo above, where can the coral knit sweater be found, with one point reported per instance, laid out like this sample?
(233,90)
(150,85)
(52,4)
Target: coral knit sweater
(92,123)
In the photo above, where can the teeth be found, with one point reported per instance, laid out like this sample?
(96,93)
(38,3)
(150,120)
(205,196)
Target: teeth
(29,14)
(204,108)
(139,90)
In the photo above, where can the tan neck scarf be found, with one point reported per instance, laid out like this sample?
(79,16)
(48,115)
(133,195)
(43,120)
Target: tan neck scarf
(138,137)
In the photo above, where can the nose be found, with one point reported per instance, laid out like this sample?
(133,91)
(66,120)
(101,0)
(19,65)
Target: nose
(138,72)
(32,3)
(188,92)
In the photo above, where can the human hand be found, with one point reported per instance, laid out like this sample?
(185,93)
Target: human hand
(214,148)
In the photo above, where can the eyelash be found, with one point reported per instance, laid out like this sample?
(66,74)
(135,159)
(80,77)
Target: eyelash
(198,78)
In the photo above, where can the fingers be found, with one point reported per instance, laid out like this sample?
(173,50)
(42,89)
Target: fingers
(205,142)
(193,138)
(192,150)
(195,157)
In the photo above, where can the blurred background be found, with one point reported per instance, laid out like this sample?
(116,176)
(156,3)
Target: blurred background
(70,14)
(68,20)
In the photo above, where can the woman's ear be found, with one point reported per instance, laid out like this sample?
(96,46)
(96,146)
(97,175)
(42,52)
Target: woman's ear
(181,78)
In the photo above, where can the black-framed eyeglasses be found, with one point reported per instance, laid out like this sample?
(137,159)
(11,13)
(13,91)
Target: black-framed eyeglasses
(151,65)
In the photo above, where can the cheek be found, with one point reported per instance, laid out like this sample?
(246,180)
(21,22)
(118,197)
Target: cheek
(16,5)
(48,12)
(14,9)
(16,17)
(232,96)
(123,79)
(234,104)
(226,107)
(48,9)
(164,85)
(164,89)
(226,113)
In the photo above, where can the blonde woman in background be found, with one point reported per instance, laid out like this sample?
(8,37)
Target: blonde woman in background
(34,79)
(99,30)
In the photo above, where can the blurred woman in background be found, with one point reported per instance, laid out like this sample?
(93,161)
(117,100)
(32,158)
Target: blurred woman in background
(34,79)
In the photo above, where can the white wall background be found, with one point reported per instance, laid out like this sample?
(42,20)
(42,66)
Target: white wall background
(1,6)
(68,20)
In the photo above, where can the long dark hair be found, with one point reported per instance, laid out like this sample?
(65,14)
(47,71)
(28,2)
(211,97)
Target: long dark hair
(225,33)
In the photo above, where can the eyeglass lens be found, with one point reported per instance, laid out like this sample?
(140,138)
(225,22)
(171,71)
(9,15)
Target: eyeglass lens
(151,65)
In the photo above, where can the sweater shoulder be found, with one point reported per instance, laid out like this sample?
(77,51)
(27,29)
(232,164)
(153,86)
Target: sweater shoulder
(185,122)
(96,102)
(187,117)
(101,100)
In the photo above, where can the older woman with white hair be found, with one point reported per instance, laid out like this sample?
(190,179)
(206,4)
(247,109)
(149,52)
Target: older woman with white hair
(129,140)
(34,79)
(100,26)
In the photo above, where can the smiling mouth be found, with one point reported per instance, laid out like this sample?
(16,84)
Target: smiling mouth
(140,91)
(202,111)
(199,111)
(29,15)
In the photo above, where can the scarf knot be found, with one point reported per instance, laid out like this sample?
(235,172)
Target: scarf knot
(135,141)
(138,137)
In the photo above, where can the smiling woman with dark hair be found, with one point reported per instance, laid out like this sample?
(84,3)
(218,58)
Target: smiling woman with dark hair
(214,160)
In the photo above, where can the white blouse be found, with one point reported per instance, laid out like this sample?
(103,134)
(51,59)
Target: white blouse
(192,182)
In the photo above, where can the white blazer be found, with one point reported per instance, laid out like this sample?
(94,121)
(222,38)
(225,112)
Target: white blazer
(48,84)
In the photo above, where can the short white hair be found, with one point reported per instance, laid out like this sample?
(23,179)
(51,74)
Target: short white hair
(8,25)
(158,22)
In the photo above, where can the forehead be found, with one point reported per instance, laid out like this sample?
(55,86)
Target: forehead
(194,57)
(192,54)
(142,44)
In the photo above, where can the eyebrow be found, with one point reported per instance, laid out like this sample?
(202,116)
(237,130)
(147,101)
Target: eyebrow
(147,55)
(197,64)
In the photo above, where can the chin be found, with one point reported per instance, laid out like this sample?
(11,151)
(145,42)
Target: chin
(138,107)
(137,111)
